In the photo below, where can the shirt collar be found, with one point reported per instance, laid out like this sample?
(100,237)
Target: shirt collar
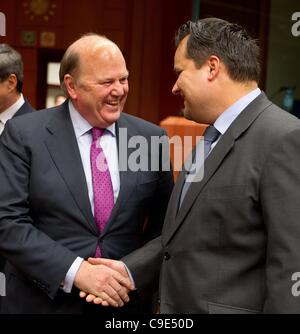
(82,126)
(229,115)
(11,111)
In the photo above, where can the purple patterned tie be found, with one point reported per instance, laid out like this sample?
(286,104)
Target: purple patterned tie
(102,185)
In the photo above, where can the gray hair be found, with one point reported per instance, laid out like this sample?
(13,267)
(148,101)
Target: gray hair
(11,63)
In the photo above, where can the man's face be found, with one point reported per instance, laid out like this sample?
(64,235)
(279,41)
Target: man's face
(101,87)
(191,84)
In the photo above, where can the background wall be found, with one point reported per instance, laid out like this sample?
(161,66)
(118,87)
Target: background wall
(144,30)
(284,50)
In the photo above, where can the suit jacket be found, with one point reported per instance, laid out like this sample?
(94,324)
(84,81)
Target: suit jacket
(46,220)
(25,109)
(233,246)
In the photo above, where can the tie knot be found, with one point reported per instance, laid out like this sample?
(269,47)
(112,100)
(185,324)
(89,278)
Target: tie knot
(97,133)
(211,134)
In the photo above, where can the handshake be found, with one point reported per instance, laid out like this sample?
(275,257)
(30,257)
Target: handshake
(104,282)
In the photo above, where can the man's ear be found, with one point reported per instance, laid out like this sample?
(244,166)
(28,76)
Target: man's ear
(12,82)
(70,86)
(213,63)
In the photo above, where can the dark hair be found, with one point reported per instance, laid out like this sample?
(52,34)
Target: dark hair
(230,42)
(11,63)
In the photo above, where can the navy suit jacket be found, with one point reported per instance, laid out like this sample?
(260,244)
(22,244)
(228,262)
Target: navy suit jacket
(46,220)
(25,109)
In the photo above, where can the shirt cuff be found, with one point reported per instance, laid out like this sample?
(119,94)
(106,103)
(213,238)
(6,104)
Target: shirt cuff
(71,274)
(130,276)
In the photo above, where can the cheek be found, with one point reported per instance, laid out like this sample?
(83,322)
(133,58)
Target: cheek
(3,92)
(125,91)
(186,86)
(125,96)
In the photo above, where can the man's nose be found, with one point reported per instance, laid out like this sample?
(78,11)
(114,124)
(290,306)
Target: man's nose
(176,89)
(119,88)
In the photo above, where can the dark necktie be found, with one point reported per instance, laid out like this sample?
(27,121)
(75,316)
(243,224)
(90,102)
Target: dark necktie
(211,134)
(102,185)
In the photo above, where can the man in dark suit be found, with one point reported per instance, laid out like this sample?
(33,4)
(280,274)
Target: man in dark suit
(12,102)
(230,243)
(52,212)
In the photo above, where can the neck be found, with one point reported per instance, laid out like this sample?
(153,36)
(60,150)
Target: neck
(9,101)
(231,93)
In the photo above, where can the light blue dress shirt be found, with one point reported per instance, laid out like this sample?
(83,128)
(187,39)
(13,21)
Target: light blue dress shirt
(229,115)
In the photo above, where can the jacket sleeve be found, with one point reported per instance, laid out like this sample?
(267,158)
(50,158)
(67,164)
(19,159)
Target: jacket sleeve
(42,260)
(280,189)
(144,265)
(162,194)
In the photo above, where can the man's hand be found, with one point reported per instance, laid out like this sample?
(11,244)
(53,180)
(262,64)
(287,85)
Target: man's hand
(102,282)
(117,266)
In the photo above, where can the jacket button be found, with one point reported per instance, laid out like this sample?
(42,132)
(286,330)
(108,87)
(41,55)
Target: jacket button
(167,256)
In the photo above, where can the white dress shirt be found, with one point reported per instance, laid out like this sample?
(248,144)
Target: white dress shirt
(108,142)
(10,112)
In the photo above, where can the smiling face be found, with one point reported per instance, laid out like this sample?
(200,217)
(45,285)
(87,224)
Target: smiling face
(192,84)
(99,89)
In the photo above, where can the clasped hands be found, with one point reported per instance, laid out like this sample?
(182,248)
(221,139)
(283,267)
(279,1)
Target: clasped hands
(104,282)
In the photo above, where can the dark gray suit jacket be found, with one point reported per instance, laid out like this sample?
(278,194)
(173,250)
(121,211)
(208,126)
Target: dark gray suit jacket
(45,214)
(234,245)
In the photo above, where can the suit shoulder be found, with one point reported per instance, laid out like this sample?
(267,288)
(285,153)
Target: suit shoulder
(31,117)
(279,120)
(32,123)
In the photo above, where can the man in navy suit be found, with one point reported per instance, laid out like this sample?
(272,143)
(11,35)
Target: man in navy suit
(12,102)
(48,224)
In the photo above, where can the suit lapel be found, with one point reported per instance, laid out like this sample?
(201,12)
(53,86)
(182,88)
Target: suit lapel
(63,148)
(212,163)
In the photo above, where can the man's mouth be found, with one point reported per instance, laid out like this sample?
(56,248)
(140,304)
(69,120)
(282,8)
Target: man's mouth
(113,103)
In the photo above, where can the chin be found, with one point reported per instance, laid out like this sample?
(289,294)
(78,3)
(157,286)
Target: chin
(112,118)
(187,115)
